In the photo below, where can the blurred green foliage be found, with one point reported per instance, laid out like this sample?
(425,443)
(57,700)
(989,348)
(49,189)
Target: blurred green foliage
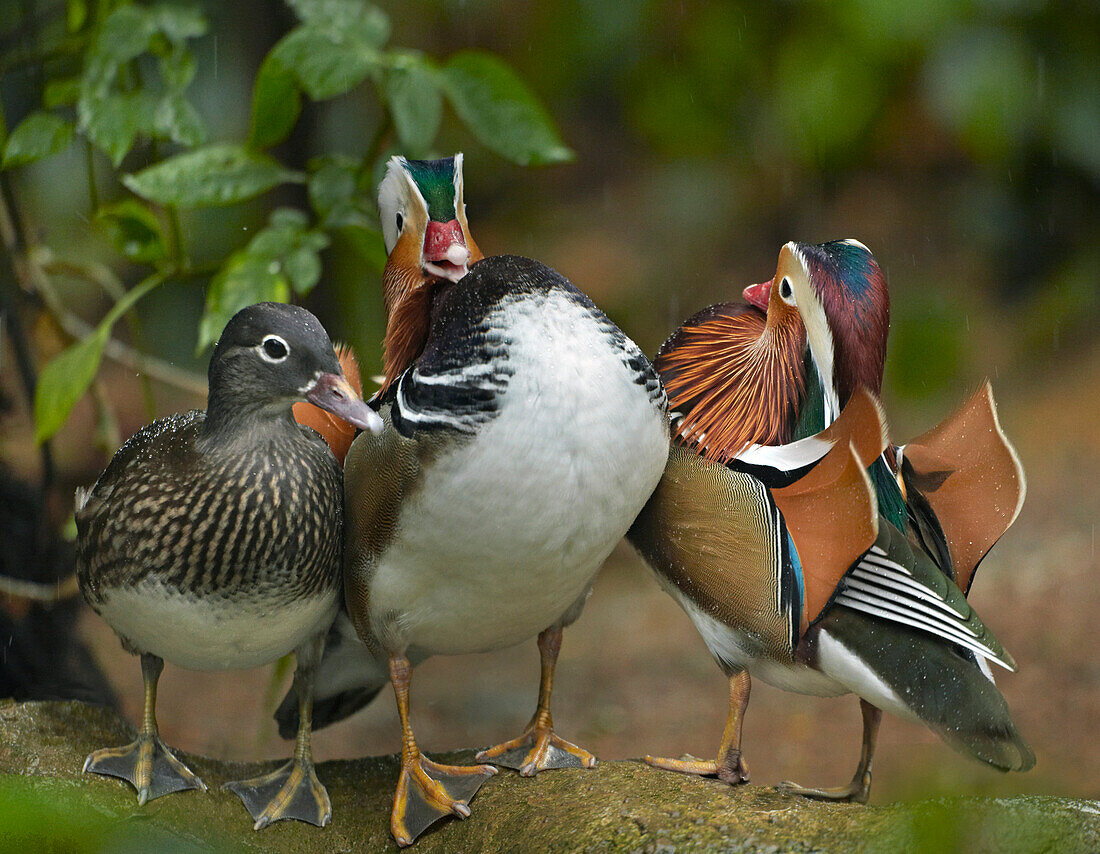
(47,816)
(115,75)
(962,135)
(956,139)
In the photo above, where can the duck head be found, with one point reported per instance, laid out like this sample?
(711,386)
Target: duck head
(428,242)
(270,356)
(837,292)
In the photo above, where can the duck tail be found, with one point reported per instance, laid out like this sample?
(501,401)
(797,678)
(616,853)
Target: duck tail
(917,677)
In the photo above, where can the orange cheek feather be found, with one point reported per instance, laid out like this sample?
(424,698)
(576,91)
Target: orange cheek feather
(335,431)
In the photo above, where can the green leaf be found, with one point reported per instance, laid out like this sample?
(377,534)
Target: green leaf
(416,103)
(359,21)
(76,13)
(134,231)
(217,174)
(178,22)
(276,104)
(38,135)
(61,92)
(177,69)
(245,279)
(113,121)
(499,109)
(334,193)
(303,268)
(124,35)
(111,118)
(178,121)
(65,379)
(326,62)
(282,257)
(63,382)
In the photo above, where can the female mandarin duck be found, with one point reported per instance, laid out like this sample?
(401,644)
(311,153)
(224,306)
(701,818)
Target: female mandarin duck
(212,541)
(523,433)
(897,630)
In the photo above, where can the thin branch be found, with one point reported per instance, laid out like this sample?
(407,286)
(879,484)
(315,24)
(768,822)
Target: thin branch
(105,278)
(14,241)
(77,328)
(53,591)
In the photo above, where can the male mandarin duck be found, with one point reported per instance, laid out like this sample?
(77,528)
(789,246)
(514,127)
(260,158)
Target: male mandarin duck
(897,630)
(428,212)
(212,541)
(442,250)
(523,433)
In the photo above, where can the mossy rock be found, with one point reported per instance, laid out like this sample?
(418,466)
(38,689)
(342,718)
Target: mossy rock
(46,804)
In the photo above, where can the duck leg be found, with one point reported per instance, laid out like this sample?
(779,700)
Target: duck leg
(730,765)
(426,791)
(292,791)
(860,788)
(147,763)
(539,748)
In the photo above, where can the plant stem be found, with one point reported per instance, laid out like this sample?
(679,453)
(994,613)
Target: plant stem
(366,167)
(14,240)
(93,190)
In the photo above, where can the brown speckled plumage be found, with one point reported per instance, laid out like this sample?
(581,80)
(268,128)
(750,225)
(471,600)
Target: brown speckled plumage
(262,523)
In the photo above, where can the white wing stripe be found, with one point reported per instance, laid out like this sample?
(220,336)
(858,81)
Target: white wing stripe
(886,563)
(471,376)
(903,584)
(786,457)
(906,603)
(910,618)
(879,609)
(414,416)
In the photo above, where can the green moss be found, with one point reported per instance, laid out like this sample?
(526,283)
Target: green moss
(46,804)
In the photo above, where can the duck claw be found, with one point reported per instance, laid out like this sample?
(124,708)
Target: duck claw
(146,764)
(428,791)
(290,792)
(537,750)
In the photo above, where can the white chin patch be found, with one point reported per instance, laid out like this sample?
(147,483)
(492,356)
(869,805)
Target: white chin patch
(446,270)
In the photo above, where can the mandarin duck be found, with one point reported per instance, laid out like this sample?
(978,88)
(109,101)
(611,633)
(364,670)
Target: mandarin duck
(435,247)
(898,631)
(212,540)
(959,486)
(523,433)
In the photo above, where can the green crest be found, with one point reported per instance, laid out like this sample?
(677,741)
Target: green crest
(436,181)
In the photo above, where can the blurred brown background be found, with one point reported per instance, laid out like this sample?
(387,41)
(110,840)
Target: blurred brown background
(959,140)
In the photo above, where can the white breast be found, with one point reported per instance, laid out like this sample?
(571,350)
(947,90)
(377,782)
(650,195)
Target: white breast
(213,632)
(508,530)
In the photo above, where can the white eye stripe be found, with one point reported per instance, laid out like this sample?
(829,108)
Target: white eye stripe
(273,349)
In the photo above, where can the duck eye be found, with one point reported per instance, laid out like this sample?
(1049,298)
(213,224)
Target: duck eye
(785,289)
(400,223)
(274,349)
